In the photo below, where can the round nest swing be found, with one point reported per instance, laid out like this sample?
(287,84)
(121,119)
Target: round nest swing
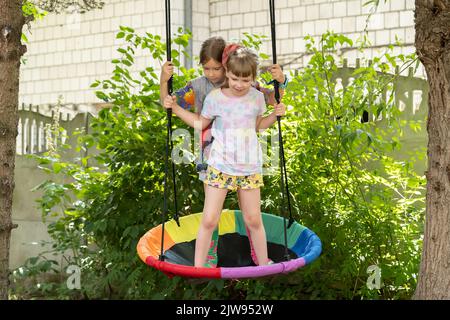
(304,246)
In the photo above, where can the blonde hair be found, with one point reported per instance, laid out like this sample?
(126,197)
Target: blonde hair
(243,62)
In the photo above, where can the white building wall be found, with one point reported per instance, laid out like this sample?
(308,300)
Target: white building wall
(297,18)
(67,53)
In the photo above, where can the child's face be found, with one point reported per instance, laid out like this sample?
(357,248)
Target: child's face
(214,71)
(239,85)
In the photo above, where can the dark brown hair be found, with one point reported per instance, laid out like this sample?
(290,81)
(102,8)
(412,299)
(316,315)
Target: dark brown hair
(212,48)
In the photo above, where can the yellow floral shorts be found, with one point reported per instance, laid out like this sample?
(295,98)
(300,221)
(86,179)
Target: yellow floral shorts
(221,180)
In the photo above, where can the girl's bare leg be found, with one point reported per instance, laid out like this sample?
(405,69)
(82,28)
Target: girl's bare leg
(252,250)
(214,198)
(250,202)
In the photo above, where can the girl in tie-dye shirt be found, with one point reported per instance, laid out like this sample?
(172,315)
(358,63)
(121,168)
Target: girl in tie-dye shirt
(192,96)
(235,160)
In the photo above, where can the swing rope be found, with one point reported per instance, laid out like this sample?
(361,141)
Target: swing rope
(284,180)
(169,142)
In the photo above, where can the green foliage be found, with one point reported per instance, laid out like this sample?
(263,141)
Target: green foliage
(30,9)
(31,12)
(365,206)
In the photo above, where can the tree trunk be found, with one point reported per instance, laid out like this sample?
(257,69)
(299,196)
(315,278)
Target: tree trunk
(11,50)
(432,19)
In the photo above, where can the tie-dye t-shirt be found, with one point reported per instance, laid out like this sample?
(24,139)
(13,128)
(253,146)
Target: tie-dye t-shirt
(235,149)
(192,96)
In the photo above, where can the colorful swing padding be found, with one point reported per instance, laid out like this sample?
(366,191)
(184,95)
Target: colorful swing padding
(304,246)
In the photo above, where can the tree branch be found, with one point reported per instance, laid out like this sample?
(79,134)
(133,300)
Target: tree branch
(7,227)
